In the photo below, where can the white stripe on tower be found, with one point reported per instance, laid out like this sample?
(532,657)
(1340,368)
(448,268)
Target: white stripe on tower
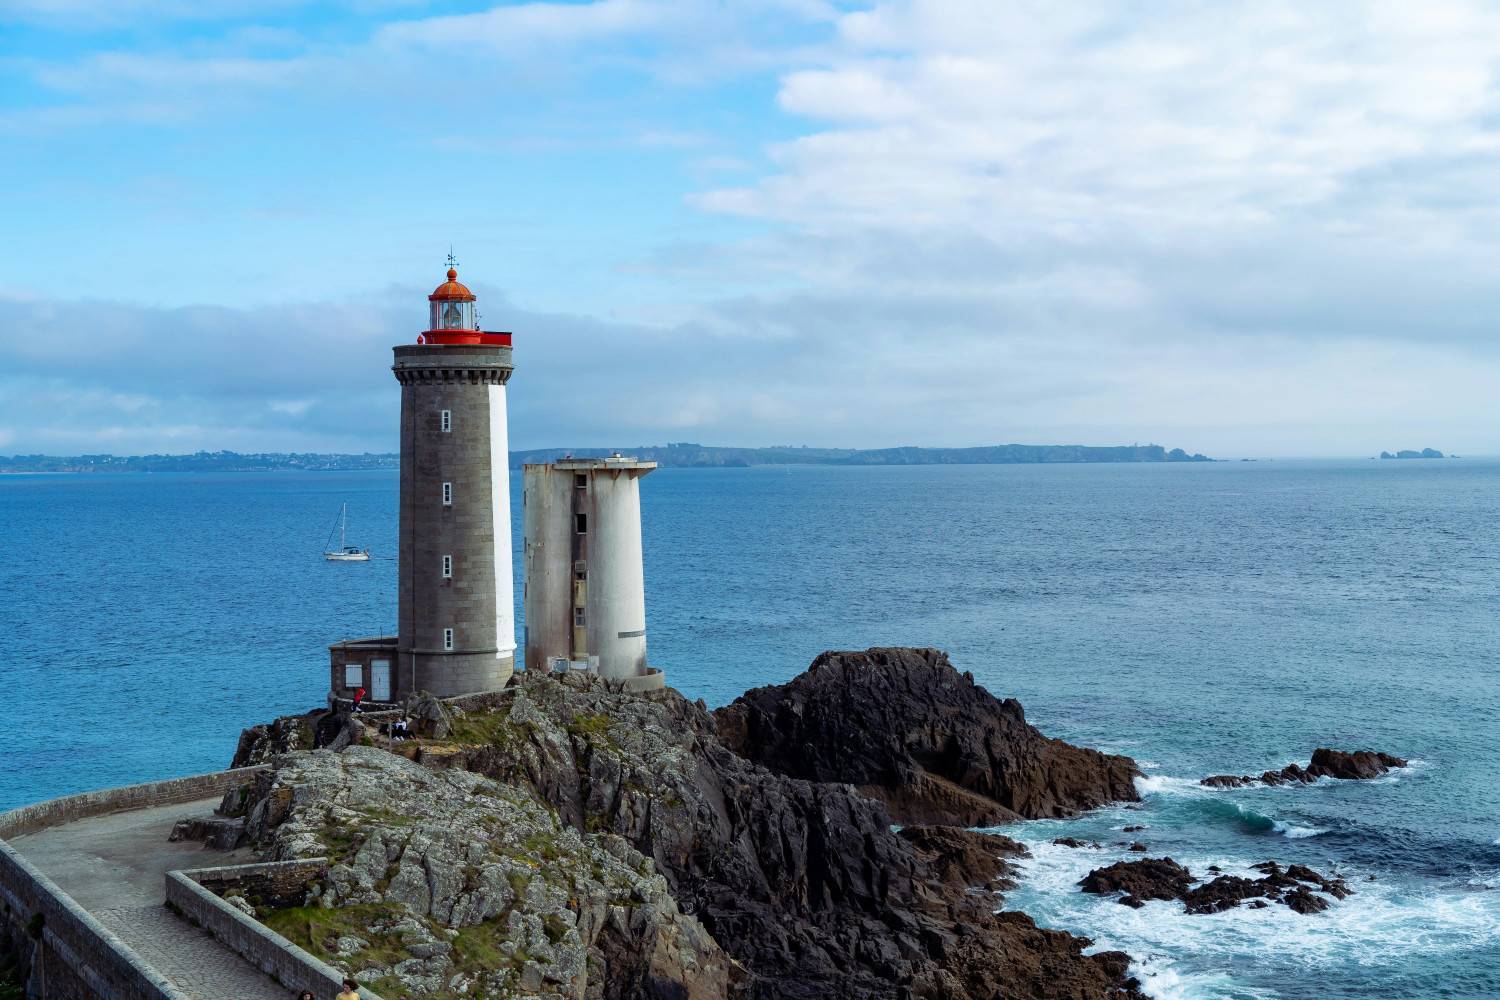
(505,598)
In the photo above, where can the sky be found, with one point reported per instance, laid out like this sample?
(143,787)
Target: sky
(1243,229)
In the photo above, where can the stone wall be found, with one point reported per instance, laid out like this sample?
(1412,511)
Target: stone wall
(194,894)
(55,812)
(64,951)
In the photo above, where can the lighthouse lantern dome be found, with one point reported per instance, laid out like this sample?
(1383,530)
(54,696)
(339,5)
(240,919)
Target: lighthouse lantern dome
(452,305)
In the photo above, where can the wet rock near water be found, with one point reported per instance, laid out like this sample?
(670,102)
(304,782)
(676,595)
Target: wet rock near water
(1359,765)
(1165,879)
(965,859)
(906,728)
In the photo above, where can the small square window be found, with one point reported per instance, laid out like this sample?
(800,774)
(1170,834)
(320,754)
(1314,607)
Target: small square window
(580,574)
(581,524)
(447,567)
(447,638)
(580,617)
(446,421)
(447,494)
(354,675)
(581,481)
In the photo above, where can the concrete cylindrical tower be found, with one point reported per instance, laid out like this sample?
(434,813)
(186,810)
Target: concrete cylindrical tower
(456,621)
(585,583)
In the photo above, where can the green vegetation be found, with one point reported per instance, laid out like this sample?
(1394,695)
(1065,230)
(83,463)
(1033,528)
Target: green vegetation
(585,726)
(476,949)
(493,729)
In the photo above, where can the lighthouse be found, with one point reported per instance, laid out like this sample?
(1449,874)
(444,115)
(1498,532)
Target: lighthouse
(456,619)
(456,605)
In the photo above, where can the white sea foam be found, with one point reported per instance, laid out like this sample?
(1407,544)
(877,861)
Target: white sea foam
(1160,979)
(1163,784)
(1414,767)
(1293,832)
(1384,923)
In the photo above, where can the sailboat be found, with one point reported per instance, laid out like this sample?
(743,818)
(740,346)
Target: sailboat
(345,552)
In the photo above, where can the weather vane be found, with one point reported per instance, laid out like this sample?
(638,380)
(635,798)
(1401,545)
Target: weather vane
(452,260)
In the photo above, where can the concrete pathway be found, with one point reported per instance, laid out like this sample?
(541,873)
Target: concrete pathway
(115,867)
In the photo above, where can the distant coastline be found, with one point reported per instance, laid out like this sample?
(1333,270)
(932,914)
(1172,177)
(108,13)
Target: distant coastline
(1409,453)
(677,454)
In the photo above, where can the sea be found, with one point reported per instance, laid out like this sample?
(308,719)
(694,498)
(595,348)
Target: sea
(1202,618)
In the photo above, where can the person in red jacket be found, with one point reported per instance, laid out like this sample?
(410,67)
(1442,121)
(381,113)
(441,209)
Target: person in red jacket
(359,696)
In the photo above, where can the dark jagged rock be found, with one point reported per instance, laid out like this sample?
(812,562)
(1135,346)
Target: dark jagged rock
(905,727)
(804,884)
(259,744)
(1148,878)
(1163,878)
(966,858)
(1075,842)
(1361,764)
(1326,763)
(1132,829)
(1139,848)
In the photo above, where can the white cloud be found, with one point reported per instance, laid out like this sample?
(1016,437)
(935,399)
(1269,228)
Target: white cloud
(1072,120)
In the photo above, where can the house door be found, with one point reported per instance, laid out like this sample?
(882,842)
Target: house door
(380,680)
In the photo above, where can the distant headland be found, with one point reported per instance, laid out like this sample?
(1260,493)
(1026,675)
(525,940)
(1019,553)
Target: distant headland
(1408,453)
(677,454)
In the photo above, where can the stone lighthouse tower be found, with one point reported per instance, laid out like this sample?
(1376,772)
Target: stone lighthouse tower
(456,623)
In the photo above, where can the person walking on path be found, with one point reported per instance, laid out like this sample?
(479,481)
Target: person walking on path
(359,696)
(351,988)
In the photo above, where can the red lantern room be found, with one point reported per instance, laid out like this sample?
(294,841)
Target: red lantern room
(453,318)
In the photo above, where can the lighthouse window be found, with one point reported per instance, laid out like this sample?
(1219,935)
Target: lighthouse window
(447,638)
(447,567)
(447,494)
(581,481)
(447,421)
(580,618)
(582,525)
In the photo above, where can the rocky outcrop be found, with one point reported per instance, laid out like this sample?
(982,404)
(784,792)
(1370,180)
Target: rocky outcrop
(1138,881)
(1163,878)
(804,883)
(905,727)
(662,865)
(966,859)
(1325,763)
(450,882)
(259,744)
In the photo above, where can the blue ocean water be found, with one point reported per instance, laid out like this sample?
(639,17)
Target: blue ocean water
(1201,618)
